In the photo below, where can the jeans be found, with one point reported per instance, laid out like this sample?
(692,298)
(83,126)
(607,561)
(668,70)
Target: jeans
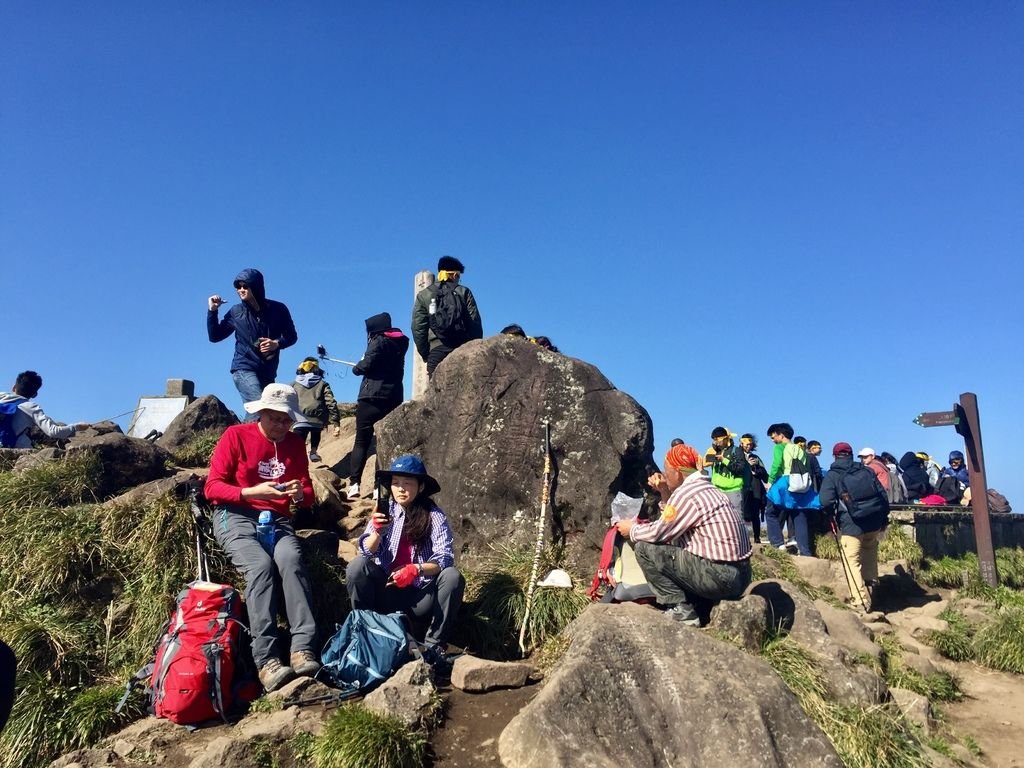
(440,598)
(250,386)
(774,518)
(678,576)
(235,531)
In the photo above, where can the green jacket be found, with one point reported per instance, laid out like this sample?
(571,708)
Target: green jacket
(731,472)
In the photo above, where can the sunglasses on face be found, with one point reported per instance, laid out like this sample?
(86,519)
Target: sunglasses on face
(240,286)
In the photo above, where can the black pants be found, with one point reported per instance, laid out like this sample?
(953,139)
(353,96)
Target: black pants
(437,354)
(368,413)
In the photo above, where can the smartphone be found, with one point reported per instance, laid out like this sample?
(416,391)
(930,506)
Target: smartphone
(280,486)
(383,495)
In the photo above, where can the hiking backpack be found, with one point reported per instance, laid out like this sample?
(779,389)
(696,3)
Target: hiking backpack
(450,319)
(198,668)
(8,437)
(366,650)
(997,502)
(950,489)
(897,487)
(858,486)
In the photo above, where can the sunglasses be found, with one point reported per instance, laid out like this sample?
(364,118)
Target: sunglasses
(239,286)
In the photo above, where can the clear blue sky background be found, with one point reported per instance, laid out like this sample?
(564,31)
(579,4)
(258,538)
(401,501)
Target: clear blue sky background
(740,212)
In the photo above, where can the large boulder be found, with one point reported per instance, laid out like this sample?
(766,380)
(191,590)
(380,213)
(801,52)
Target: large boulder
(479,429)
(206,413)
(126,461)
(636,688)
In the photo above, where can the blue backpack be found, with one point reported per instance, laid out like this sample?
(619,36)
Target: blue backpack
(8,437)
(366,650)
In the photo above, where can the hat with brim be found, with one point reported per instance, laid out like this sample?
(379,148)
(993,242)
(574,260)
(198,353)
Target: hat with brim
(277,397)
(409,466)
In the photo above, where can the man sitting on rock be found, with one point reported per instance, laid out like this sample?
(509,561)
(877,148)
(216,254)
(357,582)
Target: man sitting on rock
(698,548)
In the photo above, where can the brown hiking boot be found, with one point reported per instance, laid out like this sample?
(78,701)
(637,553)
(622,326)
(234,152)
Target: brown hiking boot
(274,674)
(305,663)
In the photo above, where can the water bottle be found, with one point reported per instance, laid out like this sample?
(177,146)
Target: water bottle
(265,532)
(433,306)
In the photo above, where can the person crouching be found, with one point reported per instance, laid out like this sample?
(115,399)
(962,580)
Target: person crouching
(406,559)
(698,548)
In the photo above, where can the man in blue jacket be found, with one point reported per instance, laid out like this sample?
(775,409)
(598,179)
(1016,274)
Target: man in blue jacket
(262,328)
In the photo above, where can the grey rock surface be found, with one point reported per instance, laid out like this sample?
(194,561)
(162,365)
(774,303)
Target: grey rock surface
(206,413)
(492,396)
(636,688)
(477,675)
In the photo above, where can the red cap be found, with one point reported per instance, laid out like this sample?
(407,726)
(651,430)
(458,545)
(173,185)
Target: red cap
(842,448)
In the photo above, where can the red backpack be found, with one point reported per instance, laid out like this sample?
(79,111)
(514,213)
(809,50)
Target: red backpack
(619,578)
(198,659)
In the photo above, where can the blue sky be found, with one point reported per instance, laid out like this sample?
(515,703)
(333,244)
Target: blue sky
(740,212)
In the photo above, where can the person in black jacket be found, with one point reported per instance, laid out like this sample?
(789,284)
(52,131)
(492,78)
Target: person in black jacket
(262,328)
(915,476)
(861,507)
(754,493)
(382,368)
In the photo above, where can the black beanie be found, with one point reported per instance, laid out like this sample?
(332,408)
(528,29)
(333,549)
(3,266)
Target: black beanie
(449,264)
(378,323)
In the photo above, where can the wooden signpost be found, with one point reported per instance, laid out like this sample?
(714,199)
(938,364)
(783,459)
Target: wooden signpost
(964,417)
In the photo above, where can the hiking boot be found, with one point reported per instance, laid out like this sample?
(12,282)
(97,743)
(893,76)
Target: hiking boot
(353,492)
(314,456)
(274,674)
(684,614)
(305,663)
(440,662)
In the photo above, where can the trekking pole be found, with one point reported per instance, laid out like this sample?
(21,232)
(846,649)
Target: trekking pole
(847,568)
(202,564)
(544,497)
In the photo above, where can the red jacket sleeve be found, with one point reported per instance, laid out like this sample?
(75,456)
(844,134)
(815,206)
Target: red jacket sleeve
(221,483)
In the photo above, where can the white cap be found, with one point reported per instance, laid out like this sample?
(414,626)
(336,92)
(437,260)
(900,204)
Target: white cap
(556,578)
(866,452)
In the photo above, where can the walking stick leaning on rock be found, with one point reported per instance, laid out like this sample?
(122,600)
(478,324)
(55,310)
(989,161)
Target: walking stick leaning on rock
(545,493)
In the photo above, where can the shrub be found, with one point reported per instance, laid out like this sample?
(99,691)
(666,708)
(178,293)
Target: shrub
(197,451)
(999,642)
(354,737)
(495,609)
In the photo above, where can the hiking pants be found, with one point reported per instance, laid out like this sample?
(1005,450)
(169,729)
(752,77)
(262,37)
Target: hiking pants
(440,598)
(313,433)
(437,354)
(368,413)
(862,555)
(234,528)
(250,386)
(678,576)
(753,508)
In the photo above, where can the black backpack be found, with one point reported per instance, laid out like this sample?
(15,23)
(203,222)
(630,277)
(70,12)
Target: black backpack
(949,489)
(861,492)
(450,319)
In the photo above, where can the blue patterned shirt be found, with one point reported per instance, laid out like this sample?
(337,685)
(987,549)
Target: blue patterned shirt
(436,548)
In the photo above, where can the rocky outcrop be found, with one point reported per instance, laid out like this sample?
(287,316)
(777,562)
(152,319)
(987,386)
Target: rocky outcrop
(636,688)
(479,429)
(478,675)
(126,461)
(206,413)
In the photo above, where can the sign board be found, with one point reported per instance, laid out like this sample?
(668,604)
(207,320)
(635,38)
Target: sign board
(155,413)
(937,419)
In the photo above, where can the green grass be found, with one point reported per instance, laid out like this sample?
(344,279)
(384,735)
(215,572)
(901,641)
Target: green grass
(873,736)
(775,563)
(496,603)
(999,642)
(197,451)
(957,641)
(940,686)
(965,572)
(59,483)
(354,737)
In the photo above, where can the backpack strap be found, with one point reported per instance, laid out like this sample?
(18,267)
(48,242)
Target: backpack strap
(604,573)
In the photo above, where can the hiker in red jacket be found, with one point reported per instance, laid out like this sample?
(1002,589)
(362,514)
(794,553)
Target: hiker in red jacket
(261,466)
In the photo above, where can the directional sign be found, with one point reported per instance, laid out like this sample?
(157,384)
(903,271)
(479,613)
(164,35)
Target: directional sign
(937,419)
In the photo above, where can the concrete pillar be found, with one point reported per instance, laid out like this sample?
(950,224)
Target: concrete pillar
(419,367)
(181,388)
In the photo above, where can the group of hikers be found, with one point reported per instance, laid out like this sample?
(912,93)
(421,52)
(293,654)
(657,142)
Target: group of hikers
(696,549)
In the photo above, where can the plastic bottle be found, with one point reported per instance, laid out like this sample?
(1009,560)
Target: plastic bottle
(433,306)
(265,532)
